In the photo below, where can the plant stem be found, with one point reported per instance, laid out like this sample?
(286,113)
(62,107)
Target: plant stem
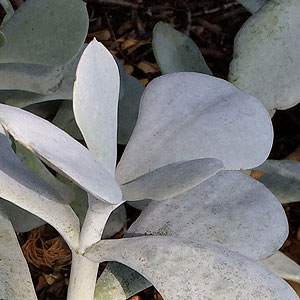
(83,278)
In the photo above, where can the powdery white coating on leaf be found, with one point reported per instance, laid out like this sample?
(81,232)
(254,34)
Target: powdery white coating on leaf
(57,149)
(187,116)
(181,269)
(24,189)
(171,180)
(176,52)
(253,5)
(40,32)
(230,209)
(266,58)
(15,278)
(118,282)
(95,102)
(283,266)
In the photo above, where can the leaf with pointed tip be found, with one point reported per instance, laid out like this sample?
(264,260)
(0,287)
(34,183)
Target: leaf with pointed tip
(24,189)
(283,266)
(182,269)
(119,282)
(131,91)
(22,220)
(270,35)
(171,180)
(65,120)
(230,209)
(61,152)
(176,52)
(15,278)
(253,5)
(187,116)
(48,36)
(95,102)
(282,177)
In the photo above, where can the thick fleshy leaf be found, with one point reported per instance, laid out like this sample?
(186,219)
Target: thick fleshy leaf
(115,222)
(266,59)
(57,149)
(131,91)
(253,5)
(40,32)
(24,189)
(22,220)
(176,52)
(230,209)
(282,177)
(283,266)
(182,269)
(187,116)
(171,180)
(15,278)
(65,120)
(118,282)
(95,102)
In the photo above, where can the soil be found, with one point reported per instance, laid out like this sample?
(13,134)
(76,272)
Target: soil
(125,27)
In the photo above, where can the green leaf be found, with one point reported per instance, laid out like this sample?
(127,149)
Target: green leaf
(45,32)
(119,282)
(187,116)
(2,39)
(230,209)
(253,5)
(176,52)
(266,59)
(182,269)
(131,91)
(95,102)
(61,152)
(15,278)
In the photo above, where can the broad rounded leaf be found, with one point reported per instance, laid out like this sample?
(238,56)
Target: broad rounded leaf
(176,52)
(24,189)
(230,209)
(171,180)
(15,278)
(95,102)
(45,32)
(131,91)
(57,149)
(181,269)
(118,282)
(187,116)
(266,60)
(283,266)
(253,5)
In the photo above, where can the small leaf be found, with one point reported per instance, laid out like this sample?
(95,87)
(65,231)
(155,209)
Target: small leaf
(39,32)
(171,180)
(253,5)
(176,52)
(187,116)
(182,269)
(266,57)
(95,102)
(283,266)
(118,282)
(61,152)
(230,209)
(24,189)
(15,278)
